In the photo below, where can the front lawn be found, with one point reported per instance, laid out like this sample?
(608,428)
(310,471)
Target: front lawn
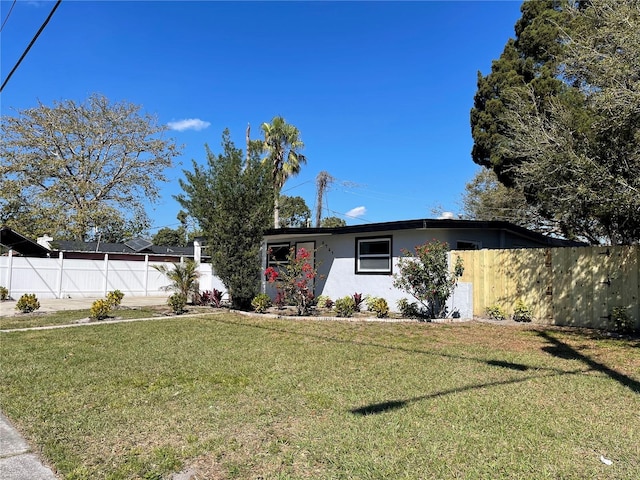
(232,396)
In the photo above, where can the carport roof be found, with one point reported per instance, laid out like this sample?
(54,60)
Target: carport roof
(21,244)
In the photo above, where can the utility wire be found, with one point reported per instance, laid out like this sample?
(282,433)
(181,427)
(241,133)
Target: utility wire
(8,15)
(33,40)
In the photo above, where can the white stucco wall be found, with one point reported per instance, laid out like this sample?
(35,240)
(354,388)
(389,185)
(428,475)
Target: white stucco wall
(335,261)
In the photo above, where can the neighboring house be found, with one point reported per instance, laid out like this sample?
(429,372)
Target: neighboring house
(57,269)
(133,250)
(363,258)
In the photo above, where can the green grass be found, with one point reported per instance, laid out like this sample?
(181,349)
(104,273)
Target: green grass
(65,317)
(248,397)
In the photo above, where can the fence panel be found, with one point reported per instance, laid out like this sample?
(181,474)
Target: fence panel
(562,286)
(56,277)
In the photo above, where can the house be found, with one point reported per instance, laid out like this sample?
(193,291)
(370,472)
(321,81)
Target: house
(362,258)
(59,269)
(132,250)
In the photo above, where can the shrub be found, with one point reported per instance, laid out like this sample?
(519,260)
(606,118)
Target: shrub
(496,312)
(115,298)
(183,277)
(4,293)
(261,302)
(208,297)
(621,321)
(522,312)
(324,301)
(345,306)
(28,303)
(295,279)
(177,302)
(408,309)
(357,299)
(100,309)
(424,274)
(379,306)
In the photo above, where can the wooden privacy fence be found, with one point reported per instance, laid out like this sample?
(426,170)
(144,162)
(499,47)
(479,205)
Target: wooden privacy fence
(562,286)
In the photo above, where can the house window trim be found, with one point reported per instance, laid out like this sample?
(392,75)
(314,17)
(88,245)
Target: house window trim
(359,240)
(275,263)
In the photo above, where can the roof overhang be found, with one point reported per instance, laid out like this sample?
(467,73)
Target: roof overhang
(21,244)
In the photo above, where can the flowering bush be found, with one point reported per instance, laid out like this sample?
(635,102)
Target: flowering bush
(294,281)
(424,274)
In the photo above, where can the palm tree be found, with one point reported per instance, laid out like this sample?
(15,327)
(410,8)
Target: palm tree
(183,277)
(282,144)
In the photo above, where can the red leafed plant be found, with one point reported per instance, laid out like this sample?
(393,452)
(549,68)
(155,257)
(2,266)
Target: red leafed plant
(294,281)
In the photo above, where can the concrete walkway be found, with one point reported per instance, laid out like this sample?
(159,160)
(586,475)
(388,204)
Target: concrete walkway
(16,460)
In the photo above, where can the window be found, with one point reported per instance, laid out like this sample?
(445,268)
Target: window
(373,255)
(467,245)
(277,254)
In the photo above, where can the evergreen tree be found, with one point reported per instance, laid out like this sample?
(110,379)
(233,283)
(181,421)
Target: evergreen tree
(557,118)
(233,203)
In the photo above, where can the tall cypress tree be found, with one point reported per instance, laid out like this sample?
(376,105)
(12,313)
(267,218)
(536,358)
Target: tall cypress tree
(232,199)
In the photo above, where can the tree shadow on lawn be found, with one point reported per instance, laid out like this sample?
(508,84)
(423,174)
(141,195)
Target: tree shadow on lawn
(383,407)
(390,405)
(559,349)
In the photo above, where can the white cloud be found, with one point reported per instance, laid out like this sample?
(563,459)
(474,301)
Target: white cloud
(188,124)
(356,212)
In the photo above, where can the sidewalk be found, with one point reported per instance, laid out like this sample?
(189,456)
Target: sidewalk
(16,461)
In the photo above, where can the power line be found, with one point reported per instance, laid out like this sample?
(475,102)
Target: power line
(33,40)
(8,15)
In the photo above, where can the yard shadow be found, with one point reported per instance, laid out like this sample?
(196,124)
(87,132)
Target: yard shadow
(513,366)
(559,349)
(383,407)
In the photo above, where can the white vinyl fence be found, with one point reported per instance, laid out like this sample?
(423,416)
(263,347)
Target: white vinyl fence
(72,278)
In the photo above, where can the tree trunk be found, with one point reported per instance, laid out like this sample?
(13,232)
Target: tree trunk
(276,210)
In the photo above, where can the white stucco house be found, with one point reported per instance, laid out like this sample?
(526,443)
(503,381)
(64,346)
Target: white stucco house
(363,258)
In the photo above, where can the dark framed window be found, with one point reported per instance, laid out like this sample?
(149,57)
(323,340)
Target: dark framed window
(373,255)
(277,254)
(468,245)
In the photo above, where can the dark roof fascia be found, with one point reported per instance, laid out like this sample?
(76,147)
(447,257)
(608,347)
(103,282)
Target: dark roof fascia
(95,247)
(21,244)
(423,224)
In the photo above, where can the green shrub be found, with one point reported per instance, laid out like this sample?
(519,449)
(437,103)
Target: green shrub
(261,302)
(323,301)
(4,294)
(496,312)
(379,306)
(177,302)
(28,303)
(115,298)
(408,309)
(345,306)
(100,309)
(522,312)
(621,321)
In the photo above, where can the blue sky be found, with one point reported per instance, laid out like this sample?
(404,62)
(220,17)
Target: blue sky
(381,91)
